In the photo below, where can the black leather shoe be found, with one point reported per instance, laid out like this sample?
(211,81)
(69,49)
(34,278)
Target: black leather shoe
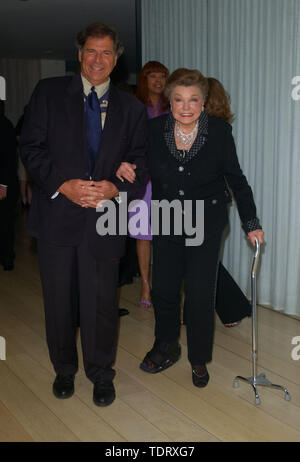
(123,312)
(63,386)
(104,393)
(8,264)
(200,376)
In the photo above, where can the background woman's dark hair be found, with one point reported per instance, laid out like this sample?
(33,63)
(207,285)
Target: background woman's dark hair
(218,101)
(142,92)
(101,30)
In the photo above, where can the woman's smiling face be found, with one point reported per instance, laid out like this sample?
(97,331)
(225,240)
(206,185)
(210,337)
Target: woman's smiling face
(186,104)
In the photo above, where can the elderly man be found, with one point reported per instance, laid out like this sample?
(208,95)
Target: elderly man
(76,132)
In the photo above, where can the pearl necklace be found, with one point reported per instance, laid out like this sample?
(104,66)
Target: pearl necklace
(186,138)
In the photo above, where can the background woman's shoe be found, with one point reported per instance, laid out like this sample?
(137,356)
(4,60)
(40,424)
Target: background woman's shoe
(233,324)
(145,302)
(200,376)
(123,312)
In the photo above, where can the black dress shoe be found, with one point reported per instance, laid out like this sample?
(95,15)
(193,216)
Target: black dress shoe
(8,264)
(200,376)
(104,393)
(123,312)
(63,386)
(125,281)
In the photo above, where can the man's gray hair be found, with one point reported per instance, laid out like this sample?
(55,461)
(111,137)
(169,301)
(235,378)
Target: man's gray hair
(99,29)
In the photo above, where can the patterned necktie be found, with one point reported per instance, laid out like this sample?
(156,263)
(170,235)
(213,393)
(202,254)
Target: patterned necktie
(93,127)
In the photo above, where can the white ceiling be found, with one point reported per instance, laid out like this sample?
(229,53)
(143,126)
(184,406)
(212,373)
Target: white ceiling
(48,28)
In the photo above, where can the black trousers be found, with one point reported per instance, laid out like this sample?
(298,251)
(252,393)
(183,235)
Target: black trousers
(231,303)
(73,281)
(173,262)
(7,219)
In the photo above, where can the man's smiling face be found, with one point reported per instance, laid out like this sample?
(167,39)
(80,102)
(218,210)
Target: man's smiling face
(97,59)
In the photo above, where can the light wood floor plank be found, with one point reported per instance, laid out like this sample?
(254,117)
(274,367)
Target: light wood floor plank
(167,418)
(86,424)
(21,338)
(10,429)
(161,407)
(224,400)
(204,414)
(34,416)
(122,417)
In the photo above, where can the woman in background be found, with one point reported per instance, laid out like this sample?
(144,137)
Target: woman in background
(231,303)
(151,84)
(218,101)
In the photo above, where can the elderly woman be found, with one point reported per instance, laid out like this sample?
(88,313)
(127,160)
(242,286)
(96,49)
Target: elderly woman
(192,156)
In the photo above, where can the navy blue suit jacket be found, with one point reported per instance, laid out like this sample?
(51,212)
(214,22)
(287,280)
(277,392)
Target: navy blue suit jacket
(54,150)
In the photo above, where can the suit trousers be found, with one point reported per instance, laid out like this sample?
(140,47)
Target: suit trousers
(75,283)
(173,263)
(7,219)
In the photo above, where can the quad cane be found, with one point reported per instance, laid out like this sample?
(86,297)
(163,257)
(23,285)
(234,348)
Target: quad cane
(260,379)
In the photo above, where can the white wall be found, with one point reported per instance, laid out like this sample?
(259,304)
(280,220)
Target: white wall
(253,48)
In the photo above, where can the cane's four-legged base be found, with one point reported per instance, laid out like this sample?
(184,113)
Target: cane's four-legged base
(260,380)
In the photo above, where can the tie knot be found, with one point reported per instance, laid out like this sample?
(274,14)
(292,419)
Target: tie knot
(93,100)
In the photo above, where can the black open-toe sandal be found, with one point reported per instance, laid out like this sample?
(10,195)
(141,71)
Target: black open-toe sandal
(200,379)
(157,360)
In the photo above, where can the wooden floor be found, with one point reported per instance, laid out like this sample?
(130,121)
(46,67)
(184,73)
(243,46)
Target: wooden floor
(163,407)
